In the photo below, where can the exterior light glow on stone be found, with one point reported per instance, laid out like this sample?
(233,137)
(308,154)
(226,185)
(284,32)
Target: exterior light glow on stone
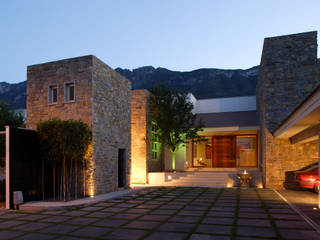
(229,185)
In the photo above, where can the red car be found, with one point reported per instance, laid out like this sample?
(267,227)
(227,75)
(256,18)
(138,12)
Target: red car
(308,178)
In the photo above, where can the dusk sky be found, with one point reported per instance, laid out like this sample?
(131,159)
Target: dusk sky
(180,35)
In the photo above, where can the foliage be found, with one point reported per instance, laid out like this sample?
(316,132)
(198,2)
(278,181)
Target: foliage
(172,112)
(64,139)
(64,145)
(9,117)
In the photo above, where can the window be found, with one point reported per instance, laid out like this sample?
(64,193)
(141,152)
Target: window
(155,144)
(247,151)
(53,94)
(69,92)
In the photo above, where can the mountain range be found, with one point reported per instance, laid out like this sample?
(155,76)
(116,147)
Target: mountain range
(203,83)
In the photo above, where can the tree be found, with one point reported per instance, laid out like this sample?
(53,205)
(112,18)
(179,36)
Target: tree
(9,117)
(64,145)
(172,112)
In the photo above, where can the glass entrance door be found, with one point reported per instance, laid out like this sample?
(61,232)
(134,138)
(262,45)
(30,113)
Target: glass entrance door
(202,153)
(228,151)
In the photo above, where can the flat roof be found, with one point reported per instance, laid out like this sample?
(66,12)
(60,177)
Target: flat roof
(229,119)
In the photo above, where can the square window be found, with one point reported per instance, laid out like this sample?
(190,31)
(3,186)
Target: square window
(53,94)
(69,92)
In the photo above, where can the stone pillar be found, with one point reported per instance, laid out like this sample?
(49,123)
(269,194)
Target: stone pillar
(140,136)
(288,75)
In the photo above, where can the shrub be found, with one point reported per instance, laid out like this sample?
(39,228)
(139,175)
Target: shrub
(63,145)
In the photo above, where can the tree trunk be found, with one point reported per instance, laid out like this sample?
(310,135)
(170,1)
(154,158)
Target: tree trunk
(54,181)
(42,179)
(60,182)
(173,158)
(70,181)
(64,179)
(76,180)
(162,166)
(84,180)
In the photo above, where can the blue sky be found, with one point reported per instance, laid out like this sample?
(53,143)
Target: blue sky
(179,35)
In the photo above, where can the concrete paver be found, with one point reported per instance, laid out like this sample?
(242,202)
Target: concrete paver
(91,231)
(166,213)
(32,236)
(256,231)
(305,201)
(166,235)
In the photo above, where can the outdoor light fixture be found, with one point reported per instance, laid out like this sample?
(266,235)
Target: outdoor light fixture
(169,177)
(229,185)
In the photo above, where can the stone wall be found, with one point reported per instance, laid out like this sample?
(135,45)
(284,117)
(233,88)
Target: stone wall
(288,75)
(41,76)
(140,136)
(111,125)
(102,100)
(282,156)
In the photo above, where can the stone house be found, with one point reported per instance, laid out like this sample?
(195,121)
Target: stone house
(85,88)
(268,134)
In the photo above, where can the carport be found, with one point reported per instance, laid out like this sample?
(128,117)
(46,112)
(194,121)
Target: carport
(303,125)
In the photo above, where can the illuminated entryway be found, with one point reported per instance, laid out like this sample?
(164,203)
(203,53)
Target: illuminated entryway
(228,151)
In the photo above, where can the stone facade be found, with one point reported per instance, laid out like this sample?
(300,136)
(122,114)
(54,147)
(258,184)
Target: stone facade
(140,136)
(281,156)
(42,76)
(102,100)
(110,125)
(289,73)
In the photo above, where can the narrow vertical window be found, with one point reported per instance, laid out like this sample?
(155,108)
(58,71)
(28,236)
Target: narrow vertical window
(53,94)
(155,145)
(69,92)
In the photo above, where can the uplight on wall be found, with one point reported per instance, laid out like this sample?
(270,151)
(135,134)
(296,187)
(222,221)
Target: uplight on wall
(229,185)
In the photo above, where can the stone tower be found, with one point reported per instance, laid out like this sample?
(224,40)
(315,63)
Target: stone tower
(85,88)
(288,75)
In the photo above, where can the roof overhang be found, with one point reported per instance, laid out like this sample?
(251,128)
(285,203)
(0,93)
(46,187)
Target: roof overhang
(304,118)
(234,130)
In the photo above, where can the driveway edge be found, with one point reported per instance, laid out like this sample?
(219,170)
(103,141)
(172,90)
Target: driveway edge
(297,210)
(54,205)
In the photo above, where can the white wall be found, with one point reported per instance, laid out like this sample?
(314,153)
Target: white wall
(193,100)
(232,104)
(180,159)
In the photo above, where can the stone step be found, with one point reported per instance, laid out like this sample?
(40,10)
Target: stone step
(196,177)
(197,185)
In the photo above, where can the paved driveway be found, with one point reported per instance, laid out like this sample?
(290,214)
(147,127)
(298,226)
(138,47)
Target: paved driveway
(167,213)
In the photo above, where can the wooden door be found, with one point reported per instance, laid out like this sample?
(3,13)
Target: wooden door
(224,151)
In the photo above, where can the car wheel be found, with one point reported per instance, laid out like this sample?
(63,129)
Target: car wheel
(316,189)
